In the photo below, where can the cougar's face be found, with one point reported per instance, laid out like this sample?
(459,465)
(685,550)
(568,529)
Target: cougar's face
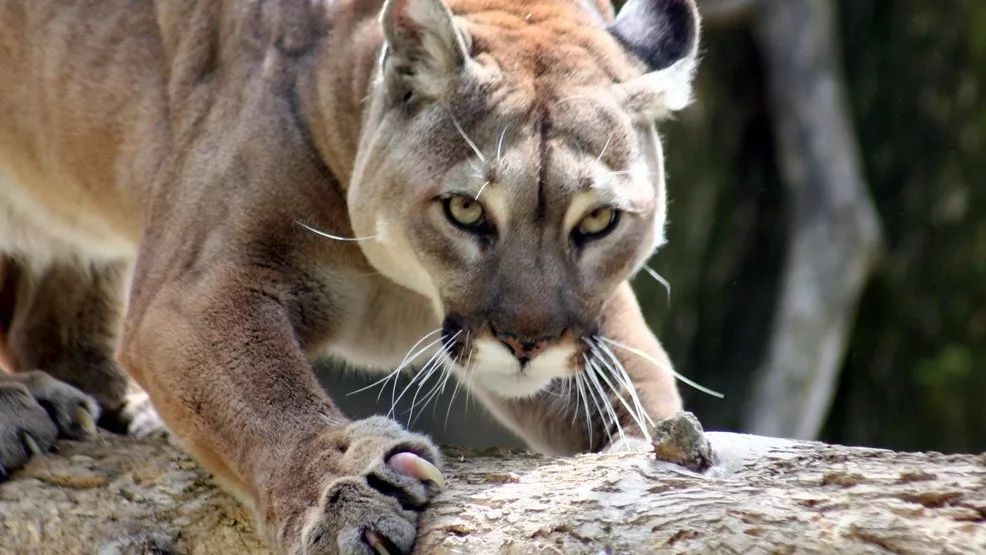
(515,188)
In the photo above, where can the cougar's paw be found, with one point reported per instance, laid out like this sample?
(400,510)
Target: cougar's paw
(25,428)
(34,408)
(135,417)
(142,420)
(390,475)
(73,412)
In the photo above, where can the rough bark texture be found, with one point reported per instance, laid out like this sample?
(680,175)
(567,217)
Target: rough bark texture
(763,495)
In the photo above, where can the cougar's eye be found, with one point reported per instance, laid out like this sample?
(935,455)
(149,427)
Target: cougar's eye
(465,212)
(597,223)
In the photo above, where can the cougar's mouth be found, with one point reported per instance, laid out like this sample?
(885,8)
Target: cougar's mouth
(508,364)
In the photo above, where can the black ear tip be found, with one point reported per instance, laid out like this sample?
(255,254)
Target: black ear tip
(659,32)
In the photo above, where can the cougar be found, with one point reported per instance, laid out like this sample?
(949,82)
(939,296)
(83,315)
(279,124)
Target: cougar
(198,198)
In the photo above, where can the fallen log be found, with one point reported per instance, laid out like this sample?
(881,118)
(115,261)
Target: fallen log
(121,495)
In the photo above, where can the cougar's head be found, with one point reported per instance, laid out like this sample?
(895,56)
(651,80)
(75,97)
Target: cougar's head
(509,168)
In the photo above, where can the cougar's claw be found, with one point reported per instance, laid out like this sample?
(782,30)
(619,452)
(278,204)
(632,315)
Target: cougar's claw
(31,445)
(376,542)
(415,466)
(84,419)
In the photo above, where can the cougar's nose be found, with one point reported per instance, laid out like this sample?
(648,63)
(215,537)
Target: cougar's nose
(524,348)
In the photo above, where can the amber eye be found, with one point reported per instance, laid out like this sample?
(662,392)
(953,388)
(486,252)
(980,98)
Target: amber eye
(597,223)
(464,211)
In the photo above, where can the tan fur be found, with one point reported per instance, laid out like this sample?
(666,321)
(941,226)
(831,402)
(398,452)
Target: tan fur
(189,139)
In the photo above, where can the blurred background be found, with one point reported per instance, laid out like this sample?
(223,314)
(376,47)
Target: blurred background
(827,235)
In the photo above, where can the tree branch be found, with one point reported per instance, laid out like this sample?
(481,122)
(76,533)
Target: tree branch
(763,495)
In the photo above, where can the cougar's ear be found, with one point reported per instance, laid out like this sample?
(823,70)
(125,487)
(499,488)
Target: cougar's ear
(659,32)
(663,34)
(425,47)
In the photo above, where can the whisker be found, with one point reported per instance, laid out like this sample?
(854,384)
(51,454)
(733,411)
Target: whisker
(605,146)
(424,375)
(418,342)
(449,371)
(414,399)
(440,368)
(393,400)
(421,375)
(604,400)
(393,391)
(439,388)
(499,144)
(633,412)
(620,374)
(457,361)
(553,389)
(654,361)
(336,237)
(472,145)
(481,189)
(660,279)
(604,367)
(458,383)
(571,386)
(600,375)
(443,372)
(580,382)
(402,364)
(451,363)
(606,406)
(470,373)
(586,378)
(451,402)
(435,363)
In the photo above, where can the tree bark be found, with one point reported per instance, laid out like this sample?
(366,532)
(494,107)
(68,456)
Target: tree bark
(118,495)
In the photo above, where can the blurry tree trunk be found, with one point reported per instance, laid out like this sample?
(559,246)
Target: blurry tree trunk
(120,495)
(726,11)
(833,228)
(914,371)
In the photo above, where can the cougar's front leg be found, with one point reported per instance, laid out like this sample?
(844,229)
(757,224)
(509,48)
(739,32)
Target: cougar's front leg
(222,354)
(595,409)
